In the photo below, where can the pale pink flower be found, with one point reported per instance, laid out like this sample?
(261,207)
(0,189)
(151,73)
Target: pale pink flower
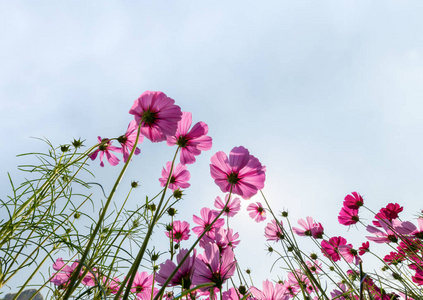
(233,207)
(242,173)
(392,230)
(231,294)
(127,141)
(183,276)
(212,266)
(270,291)
(106,148)
(223,238)
(64,273)
(179,178)
(180,231)
(273,231)
(315,266)
(111,285)
(349,254)
(310,228)
(257,212)
(158,115)
(207,217)
(191,142)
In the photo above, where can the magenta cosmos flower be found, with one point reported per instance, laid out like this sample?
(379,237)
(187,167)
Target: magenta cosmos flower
(257,212)
(179,178)
(214,267)
(127,141)
(158,115)
(191,142)
(179,232)
(330,248)
(273,231)
(233,207)
(105,148)
(353,201)
(348,216)
(241,172)
(183,276)
(310,228)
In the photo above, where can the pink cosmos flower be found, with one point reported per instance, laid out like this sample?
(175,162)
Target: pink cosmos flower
(330,248)
(348,216)
(257,212)
(353,201)
(233,207)
(143,285)
(242,172)
(207,217)
(418,232)
(105,148)
(315,266)
(270,291)
(179,178)
(158,115)
(127,140)
(300,280)
(180,231)
(273,231)
(214,267)
(111,285)
(390,212)
(223,238)
(349,254)
(64,273)
(364,248)
(392,229)
(393,258)
(231,294)
(191,142)
(310,228)
(183,276)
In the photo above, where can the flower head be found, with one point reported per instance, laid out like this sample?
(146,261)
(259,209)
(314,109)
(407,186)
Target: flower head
(348,216)
(310,228)
(273,231)
(191,142)
(257,212)
(106,148)
(207,217)
(143,285)
(233,207)
(353,201)
(179,178)
(179,232)
(241,172)
(127,141)
(158,115)
(184,274)
(390,212)
(270,291)
(330,248)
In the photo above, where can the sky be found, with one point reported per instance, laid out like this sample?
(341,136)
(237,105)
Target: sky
(326,94)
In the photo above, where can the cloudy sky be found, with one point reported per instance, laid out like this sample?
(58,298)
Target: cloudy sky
(327,94)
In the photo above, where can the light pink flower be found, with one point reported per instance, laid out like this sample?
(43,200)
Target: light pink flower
(223,238)
(257,212)
(207,217)
(233,207)
(273,231)
(183,276)
(393,229)
(127,140)
(310,228)
(106,148)
(180,231)
(111,285)
(214,267)
(64,273)
(158,115)
(242,172)
(349,254)
(191,142)
(270,291)
(179,178)
(231,294)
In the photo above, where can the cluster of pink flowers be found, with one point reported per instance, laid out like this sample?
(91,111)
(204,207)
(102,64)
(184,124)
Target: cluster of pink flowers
(213,264)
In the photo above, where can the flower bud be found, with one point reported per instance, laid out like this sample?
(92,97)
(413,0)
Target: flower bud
(177,194)
(77,215)
(313,256)
(171,211)
(77,143)
(284,214)
(64,148)
(248,271)
(134,184)
(242,290)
